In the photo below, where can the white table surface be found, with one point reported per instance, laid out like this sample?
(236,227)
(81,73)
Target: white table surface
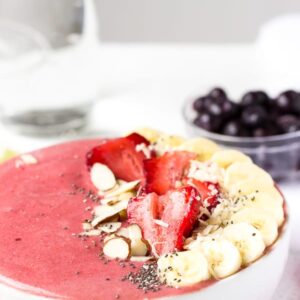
(145,85)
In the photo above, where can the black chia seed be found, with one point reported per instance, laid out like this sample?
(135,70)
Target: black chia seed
(145,278)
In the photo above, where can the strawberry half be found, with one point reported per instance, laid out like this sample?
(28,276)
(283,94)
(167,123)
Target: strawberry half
(178,210)
(180,213)
(208,192)
(163,172)
(121,156)
(138,139)
(143,210)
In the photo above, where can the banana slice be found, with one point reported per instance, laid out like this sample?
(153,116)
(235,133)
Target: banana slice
(259,219)
(223,257)
(203,147)
(151,135)
(183,268)
(167,143)
(266,203)
(247,239)
(240,171)
(255,186)
(226,157)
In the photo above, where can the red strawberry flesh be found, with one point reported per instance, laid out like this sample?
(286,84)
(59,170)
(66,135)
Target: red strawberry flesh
(138,139)
(121,157)
(143,210)
(163,172)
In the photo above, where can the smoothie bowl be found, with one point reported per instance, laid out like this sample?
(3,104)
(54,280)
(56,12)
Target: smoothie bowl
(144,216)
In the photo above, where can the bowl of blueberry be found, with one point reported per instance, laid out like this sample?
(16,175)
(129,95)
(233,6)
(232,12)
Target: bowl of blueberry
(263,127)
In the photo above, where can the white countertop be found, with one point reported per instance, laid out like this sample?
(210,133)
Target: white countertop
(145,85)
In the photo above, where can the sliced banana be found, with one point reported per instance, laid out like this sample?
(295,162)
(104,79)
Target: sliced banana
(223,257)
(259,219)
(247,239)
(266,203)
(240,171)
(151,135)
(224,158)
(183,268)
(255,186)
(201,146)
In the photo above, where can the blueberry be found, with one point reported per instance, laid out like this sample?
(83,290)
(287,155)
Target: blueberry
(259,132)
(214,108)
(230,109)
(199,104)
(235,128)
(253,116)
(288,123)
(285,101)
(207,122)
(217,93)
(296,103)
(255,98)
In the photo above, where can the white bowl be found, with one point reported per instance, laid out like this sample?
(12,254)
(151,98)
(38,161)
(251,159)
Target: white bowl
(256,282)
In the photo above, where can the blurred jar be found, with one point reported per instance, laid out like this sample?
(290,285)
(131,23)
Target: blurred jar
(54,92)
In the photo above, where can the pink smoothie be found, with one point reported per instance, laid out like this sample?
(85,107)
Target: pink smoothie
(41,208)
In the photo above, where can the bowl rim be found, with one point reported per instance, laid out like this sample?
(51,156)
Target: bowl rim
(284,231)
(279,138)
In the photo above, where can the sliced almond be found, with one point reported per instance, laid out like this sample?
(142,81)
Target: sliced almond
(139,247)
(123,188)
(103,212)
(110,227)
(110,201)
(134,232)
(86,226)
(93,232)
(123,215)
(141,258)
(28,159)
(102,177)
(117,247)
(109,237)
(123,232)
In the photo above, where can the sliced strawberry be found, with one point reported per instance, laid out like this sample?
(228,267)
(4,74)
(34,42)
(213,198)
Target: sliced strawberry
(208,191)
(163,172)
(180,213)
(121,157)
(138,139)
(143,210)
(178,210)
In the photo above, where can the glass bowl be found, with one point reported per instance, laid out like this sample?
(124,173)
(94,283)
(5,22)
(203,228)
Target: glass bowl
(278,154)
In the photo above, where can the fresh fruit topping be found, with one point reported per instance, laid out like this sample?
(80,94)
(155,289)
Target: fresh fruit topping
(247,239)
(180,213)
(183,268)
(223,257)
(163,172)
(137,139)
(227,157)
(143,210)
(117,247)
(121,156)
(208,192)
(102,177)
(261,220)
(204,148)
(166,220)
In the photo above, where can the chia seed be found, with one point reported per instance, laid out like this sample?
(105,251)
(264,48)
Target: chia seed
(145,278)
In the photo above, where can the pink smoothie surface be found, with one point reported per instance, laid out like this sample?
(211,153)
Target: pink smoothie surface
(41,208)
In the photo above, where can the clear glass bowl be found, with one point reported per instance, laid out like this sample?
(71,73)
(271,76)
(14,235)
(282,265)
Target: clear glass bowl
(278,154)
